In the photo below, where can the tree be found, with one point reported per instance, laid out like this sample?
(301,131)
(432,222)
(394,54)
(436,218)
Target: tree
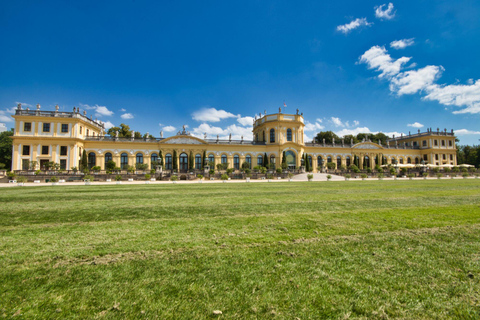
(328,136)
(190,161)
(6,149)
(174,160)
(160,158)
(265,160)
(350,137)
(123,131)
(110,165)
(84,162)
(204,156)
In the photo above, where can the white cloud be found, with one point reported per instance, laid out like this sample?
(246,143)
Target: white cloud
(457,95)
(212,132)
(356,123)
(463,132)
(402,44)
(337,122)
(108,125)
(386,14)
(358,130)
(127,116)
(415,125)
(377,58)
(313,126)
(211,115)
(354,24)
(169,129)
(245,121)
(122,110)
(5,116)
(99,110)
(3,127)
(319,120)
(410,82)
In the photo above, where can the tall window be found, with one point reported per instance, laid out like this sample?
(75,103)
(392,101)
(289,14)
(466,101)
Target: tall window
(108,157)
(91,160)
(63,150)
(272,159)
(198,161)
(224,158)
(45,149)
(248,159)
(64,127)
(124,161)
(139,158)
(329,159)
(339,161)
(263,134)
(183,161)
(272,135)
(289,134)
(348,160)
(291,159)
(46,127)
(236,162)
(168,161)
(211,159)
(154,157)
(26,150)
(310,161)
(63,164)
(409,160)
(27,126)
(424,143)
(260,160)
(319,161)
(401,161)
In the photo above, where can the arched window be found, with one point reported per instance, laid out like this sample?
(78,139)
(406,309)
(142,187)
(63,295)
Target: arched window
(168,161)
(401,161)
(339,162)
(393,160)
(409,160)
(329,159)
(260,160)
(272,135)
(124,161)
(263,134)
(417,160)
(291,159)
(289,134)
(224,158)
(366,162)
(319,161)
(183,161)
(139,158)
(154,157)
(198,161)
(272,159)
(348,161)
(310,161)
(236,162)
(248,159)
(91,160)
(256,137)
(108,157)
(211,160)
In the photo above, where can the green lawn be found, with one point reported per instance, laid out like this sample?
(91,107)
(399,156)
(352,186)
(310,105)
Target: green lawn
(368,249)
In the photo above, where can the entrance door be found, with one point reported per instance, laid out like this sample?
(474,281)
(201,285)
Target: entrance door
(183,162)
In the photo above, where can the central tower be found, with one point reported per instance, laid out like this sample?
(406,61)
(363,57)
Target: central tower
(279,128)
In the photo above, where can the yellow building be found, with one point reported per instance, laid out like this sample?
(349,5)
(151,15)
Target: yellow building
(61,137)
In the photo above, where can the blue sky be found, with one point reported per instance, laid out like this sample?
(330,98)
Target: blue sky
(349,66)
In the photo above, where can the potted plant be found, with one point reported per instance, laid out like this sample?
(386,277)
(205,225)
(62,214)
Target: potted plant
(21,181)
(290,176)
(174,178)
(425,175)
(329,177)
(147,178)
(200,178)
(410,176)
(464,175)
(108,172)
(364,176)
(310,177)
(224,177)
(439,175)
(247,176)
(380,176)
(269,177)
(347,177)
(54,181)
(476,175)
(88,179)
(118,179)
(279,170)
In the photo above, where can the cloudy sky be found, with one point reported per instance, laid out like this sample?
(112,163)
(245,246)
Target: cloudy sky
(349,66)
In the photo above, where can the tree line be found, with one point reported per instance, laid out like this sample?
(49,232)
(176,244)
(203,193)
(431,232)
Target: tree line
(329,136)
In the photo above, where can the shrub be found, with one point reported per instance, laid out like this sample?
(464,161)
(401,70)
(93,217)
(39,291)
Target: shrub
(200,176)
(141,166)
(212,171)
(279,170)
(342,167)
(269,176)
(248,171)
(331,165)
(410,175)
(74,169)
(403,171)
(21,179)
(147,176)
(380,176)
(290,175)
(392,171)
(369,170)
(455,169)
(319,169)
(229,171)
(96,168)
(130,169)
(378,168)
(11,175)
(173,178)
(447,170)
(152,171)
(348,176)
(224,176)
(425,174)
(54,179)
(118,177)
(464,169)
(472,169)
(37,172)
(110,165)
(329,177)
(465,174)
(310,176)
(363,175)
(88,177)
(439,175)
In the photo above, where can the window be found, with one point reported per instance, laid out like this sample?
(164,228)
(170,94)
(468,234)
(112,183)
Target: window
(91,160)
(224,158)
(272,135)
(81,129)
(443,143)
(64,127)
(168,161)
(409,160)
(451,157)
(259,160)
(124,161)
(236,162)
(289,134)
(401,160)
(415,143)
(183,161)
(154,157)
(435,142)
(139,158)
(263,134)
(45,149)
(339,161)
(310,161)
(63,150)
(63,164)
(46,127)
(198,161)
(436,157)
(291,159)
(444,157)
(211,160)
(26,150)
(425,157)
(319,161)
(27,126)
(329,159)
(348,161)
(25,164)
(88,132)
(424,143)
(248,159)
(272,159)
(108,157)
(417,160)
(450,143)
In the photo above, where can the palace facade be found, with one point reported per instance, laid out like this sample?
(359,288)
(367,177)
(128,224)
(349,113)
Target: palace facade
(61,137)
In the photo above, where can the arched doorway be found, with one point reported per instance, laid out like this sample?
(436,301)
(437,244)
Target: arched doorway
(291,158)
(91,160)
(183,162)
(366,162)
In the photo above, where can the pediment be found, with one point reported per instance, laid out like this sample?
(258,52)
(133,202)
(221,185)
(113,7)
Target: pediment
(182,140)
(367,145)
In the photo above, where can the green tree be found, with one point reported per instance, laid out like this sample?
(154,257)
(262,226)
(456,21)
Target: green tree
(350,137)
(328,136)
(123,131)
(190,161)
(6,149)
(160,158)
(204,156)
(174,160)
(84,162)
(110,165)
(265,160)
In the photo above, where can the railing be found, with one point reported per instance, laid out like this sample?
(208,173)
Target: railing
(57,114)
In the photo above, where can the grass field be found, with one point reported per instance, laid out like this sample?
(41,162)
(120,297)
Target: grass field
(370,249)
